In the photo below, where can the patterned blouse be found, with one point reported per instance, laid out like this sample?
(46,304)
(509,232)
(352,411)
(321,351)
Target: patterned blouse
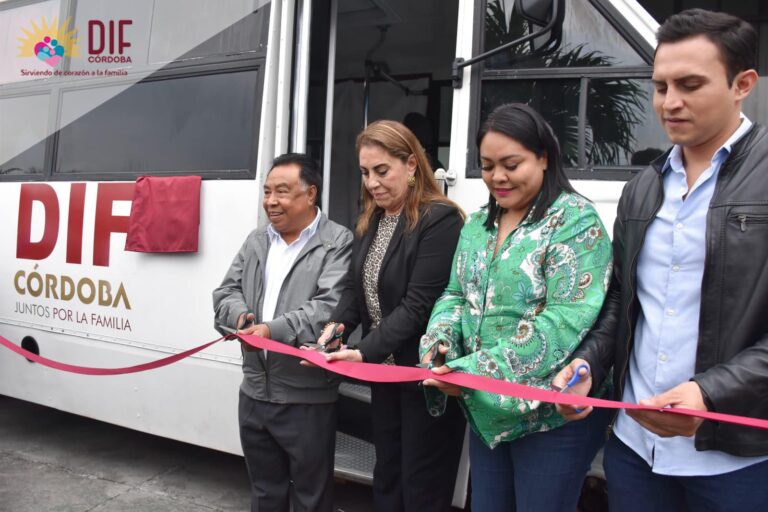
(518,316)
(372,268)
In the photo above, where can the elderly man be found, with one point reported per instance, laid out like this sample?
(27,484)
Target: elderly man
(685,324)
(283,283)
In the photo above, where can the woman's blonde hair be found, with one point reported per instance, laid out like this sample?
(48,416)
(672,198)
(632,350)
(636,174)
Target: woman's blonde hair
(400,142)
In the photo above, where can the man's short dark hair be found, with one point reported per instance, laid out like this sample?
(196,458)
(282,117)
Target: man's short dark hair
(735,38)
(309,173)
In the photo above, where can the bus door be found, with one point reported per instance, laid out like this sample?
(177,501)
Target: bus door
(364,61)
(377,60)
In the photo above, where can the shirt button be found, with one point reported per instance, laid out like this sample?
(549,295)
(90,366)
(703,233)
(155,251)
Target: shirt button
(679,225)
(670,312)
(662,357)
(675,268)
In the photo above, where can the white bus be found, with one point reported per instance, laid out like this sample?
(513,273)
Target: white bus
(94,94)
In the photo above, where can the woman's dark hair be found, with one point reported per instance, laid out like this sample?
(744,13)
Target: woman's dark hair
(523,124)
(736,39)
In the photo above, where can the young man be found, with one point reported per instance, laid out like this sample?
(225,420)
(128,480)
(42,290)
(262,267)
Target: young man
(685,323)
(285,281)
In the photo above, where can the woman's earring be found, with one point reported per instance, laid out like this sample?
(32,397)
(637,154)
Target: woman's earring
(411,180)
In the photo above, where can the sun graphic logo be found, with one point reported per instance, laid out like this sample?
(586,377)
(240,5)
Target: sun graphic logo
(49,43)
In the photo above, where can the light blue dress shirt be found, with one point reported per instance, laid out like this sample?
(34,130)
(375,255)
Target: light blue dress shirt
(670,269)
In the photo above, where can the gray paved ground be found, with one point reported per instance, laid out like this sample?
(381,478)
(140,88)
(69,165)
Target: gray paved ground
(54,461)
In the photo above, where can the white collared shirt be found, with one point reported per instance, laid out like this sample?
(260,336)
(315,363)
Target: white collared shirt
(280,259)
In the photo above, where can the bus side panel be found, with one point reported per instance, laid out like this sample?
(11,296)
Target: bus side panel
(193,401)
(132,309)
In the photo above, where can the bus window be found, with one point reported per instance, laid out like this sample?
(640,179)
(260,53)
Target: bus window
(140,87)
(624,133)
(587,78)
(22,145)
(158,132)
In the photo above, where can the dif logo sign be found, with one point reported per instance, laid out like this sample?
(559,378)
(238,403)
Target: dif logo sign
(107,41)
(105,224)
(49,51)
(51,42)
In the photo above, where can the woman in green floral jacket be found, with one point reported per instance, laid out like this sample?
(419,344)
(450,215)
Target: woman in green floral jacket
(528,280)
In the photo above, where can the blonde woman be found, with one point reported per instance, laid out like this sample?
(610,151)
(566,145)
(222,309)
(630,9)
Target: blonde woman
(401,260)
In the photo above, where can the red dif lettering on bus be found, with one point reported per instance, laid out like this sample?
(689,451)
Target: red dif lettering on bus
(106,223)
(98,32)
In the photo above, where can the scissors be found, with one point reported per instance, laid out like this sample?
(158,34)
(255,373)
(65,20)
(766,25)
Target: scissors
(247,320)
(434,353)
(226,329)
(575,379)
(229,330)
(331,345)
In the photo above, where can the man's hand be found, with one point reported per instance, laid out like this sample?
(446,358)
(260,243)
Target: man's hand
(687,396)
(257,330)
(245,320)
(245,325)
(573,412)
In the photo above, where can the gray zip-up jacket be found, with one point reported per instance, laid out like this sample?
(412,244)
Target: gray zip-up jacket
(309,294)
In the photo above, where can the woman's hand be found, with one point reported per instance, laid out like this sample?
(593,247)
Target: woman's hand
(448,389)
(582,387)
(345,354)
(304,362)
(433,359)
(331,335)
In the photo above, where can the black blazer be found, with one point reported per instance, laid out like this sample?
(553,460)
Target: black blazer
(413,275)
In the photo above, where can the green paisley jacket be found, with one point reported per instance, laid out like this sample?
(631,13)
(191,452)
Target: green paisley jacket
(519,316)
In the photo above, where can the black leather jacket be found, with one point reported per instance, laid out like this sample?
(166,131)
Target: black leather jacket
(732,353)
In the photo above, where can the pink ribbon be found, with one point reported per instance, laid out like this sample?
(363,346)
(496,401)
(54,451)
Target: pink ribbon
(87,370)
(387,373)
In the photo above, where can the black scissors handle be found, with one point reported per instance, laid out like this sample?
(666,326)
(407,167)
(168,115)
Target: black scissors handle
(434,353)
(331,345)
(247,320)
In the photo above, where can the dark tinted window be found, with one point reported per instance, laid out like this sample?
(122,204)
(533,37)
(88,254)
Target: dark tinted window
(199,123)
(556,100)
(248,35)
(23,128)
(586,77)
(622,124)
(581,38)
(187,102)
(29,161)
